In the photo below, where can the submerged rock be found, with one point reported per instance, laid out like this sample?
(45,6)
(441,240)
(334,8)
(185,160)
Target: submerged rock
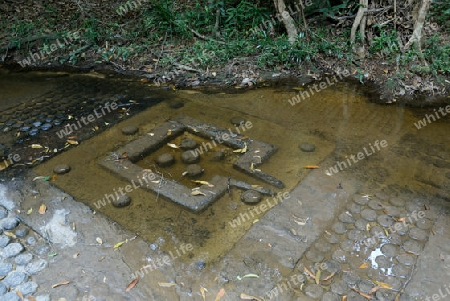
(190,157)
(251,197)
(307,147)
(61,169)
(122,201)
(165,160)
(194,170)
(130,130)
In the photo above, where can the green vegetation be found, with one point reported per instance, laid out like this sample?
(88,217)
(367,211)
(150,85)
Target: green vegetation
(206,34)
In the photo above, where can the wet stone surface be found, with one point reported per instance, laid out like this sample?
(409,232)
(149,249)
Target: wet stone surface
(361,200)
(406,259)
(344,244)
(360,224)
(385,295)
(350,278)
(314,256)
(330,296)
(389,250)
(397,202)
(383,262)
(375,204)
(418,234)
(354,208)
(400,270)
(385,220)
(339,228)
(369,214)
(314,291)
(412,247)
(339,287)
(346,217)
(365,286)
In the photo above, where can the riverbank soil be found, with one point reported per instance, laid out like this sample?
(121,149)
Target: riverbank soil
(238,43)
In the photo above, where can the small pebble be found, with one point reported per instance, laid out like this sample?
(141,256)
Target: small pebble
(251,197)
(22,232)
(23,259)
(194,170)
(176,104)
(130,130)
(165,160)
(236,121)
(122,201)
(9,223)
(307,147)
(190,157)
(61,169)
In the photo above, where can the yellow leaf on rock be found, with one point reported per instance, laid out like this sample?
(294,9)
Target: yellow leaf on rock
(42,209)
(319,272)
(383,285)
(365,265)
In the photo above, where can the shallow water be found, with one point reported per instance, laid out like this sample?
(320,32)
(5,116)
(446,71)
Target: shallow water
(340,121)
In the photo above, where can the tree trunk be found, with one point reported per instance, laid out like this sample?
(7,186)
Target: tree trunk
(288,22)
(416,36)
(358,21)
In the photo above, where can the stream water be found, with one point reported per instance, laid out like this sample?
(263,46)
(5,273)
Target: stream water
(346,129)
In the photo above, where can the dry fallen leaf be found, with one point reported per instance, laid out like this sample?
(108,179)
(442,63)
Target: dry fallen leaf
(61,283)
(220,294)
(311,274)
(197,192)
(249,297)
(365,265)
(20,295)
(132,284)
(172,145)
(203,290)
(373,290)
(311,167)
(73,142)
(42,209)
(203,183)
(31,298)
(382,284)
(29,211)
(36,146)
(166,284)
(317,278)
(362,294)
(328,277)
